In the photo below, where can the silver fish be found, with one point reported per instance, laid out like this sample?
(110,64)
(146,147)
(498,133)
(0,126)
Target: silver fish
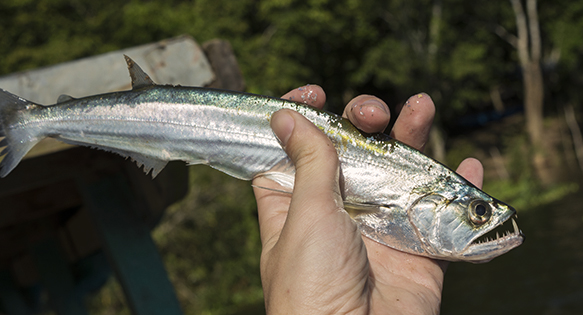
(398,196)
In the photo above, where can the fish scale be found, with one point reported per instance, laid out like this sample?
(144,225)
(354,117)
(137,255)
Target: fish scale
(398,196)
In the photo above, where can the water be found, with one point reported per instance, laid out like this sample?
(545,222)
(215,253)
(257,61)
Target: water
(543,276)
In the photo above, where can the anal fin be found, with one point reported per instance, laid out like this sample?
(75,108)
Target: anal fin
(149,163)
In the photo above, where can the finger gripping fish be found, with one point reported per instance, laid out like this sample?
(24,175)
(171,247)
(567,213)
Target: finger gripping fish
(398,196)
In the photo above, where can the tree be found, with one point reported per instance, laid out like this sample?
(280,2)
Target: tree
(528,45)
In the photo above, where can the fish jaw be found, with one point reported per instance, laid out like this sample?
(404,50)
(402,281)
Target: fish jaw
(495,237)
(483,249)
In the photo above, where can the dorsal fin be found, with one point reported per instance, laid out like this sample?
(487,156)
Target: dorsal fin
(139,78)
(64,98)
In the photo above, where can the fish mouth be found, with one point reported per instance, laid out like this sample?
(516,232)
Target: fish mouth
(506,230)
(496,242)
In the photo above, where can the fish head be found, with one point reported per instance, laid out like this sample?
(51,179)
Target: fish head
(471,226)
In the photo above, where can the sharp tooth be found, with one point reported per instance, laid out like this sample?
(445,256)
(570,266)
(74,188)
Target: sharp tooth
(497,235)
(515,226)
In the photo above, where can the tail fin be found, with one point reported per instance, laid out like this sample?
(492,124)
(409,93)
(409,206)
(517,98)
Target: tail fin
(16,143)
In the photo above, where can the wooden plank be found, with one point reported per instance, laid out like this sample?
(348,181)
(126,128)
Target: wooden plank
(173,61)
(80,232)
(61,166)
(129,247)
(177,60)
(38,203)
(56,277)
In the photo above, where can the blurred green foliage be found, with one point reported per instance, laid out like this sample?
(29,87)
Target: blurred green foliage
(524,194)
(453,49)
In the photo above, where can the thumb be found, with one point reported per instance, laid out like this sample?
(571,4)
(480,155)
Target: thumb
(319,257)
(316,186)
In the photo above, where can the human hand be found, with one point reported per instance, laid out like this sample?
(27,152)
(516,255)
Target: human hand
(314,259)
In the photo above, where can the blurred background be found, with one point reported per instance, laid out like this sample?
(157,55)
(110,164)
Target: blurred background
(506,77)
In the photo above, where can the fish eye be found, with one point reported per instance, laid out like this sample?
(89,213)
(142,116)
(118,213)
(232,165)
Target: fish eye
(480,212)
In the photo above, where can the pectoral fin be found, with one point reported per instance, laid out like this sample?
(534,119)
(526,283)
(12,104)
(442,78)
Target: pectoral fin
(283,173)
(356,209)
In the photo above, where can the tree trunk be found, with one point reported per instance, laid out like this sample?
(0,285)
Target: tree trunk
(575,133)
(436,136)
(528,45)
(533,102)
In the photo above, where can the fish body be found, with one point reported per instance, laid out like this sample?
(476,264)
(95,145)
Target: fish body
(398,196)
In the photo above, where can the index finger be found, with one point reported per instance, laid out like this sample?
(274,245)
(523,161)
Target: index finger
(309,94)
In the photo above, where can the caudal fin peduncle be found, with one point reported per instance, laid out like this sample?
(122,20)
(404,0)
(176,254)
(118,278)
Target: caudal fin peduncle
(14,142)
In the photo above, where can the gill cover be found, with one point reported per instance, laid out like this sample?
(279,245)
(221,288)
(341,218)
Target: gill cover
(438,223)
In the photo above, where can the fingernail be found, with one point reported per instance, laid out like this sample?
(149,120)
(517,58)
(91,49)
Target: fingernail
(283,125)
(308,95)
(417,97)
(374,103)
